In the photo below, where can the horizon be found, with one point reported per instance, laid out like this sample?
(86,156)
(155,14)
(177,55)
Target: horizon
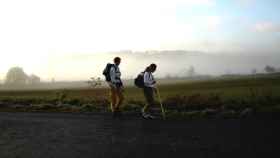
(92,64)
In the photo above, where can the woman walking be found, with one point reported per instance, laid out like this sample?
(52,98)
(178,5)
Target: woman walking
(149,89)
(113,78)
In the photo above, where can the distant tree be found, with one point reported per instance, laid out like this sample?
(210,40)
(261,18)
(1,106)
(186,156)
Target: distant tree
(94,82)
(254,71)
(33,79)
(16,76)
(191,71)
(269,69)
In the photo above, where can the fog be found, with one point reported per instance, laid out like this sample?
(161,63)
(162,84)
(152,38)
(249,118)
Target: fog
(74,40)
(170,63)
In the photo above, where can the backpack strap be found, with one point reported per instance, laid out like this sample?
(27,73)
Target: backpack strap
(114,66)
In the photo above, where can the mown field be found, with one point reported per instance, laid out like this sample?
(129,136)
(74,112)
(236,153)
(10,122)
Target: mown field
(237,94)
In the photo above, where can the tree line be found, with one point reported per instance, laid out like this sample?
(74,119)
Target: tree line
(17,77)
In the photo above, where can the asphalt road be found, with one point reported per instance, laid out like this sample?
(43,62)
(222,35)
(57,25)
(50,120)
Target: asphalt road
(61,135)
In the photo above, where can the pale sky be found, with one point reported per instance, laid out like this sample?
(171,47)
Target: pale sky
(34,32)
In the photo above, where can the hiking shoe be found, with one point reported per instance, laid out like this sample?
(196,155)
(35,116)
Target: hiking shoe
(142,111)
(147,116)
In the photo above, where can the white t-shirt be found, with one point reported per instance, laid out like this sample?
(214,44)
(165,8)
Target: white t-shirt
(149,80)
(115,74)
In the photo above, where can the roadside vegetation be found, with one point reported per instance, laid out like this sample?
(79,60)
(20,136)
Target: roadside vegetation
(192,99)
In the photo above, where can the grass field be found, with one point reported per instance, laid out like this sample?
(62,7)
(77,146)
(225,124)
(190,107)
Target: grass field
(190,95)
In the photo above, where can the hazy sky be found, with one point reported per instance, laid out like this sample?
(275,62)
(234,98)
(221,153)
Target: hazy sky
(34,32)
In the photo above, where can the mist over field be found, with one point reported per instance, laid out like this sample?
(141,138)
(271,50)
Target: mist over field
(170,63)
(74,40)
(60,39)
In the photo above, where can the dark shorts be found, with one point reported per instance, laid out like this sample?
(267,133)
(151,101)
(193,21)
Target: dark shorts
(119,85)
(149,95)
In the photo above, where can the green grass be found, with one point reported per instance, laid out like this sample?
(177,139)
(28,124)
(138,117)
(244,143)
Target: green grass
(231,93)
(227,88)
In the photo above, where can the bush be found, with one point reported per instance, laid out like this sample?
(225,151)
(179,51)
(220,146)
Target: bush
(76,102)
(89,108)
(193,102)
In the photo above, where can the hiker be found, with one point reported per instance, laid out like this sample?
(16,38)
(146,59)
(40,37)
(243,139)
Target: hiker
(149,89)
(113,78)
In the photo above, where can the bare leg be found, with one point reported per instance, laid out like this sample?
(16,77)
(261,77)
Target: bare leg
(120,98)
(113,99)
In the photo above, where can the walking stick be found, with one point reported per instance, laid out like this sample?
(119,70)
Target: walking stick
(161,106)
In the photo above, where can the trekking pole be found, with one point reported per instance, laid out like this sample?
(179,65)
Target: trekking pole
(161,106)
